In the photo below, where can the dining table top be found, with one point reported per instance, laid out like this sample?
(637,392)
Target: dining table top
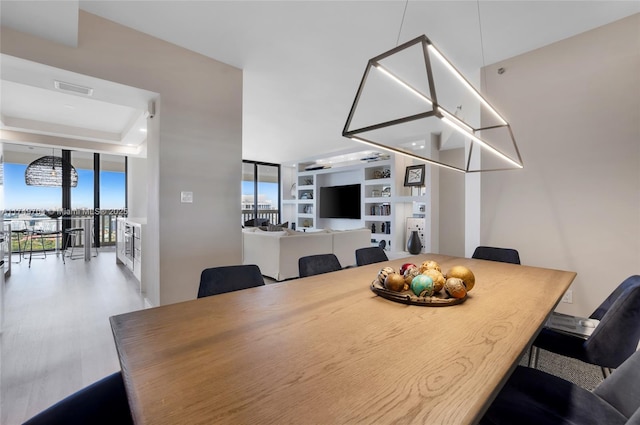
(327,350)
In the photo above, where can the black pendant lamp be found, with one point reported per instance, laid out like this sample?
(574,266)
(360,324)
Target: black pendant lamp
(47,172)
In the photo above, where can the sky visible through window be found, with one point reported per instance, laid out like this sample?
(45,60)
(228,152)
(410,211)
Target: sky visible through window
(17,195)
(269,190)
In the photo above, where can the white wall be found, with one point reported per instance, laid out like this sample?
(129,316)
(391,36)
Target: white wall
(137,187)
(451,204)
(575,110)
(194,144)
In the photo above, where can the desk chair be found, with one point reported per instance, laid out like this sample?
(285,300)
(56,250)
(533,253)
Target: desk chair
(503,255)
(531,396)
(219,280)
(318,264)
(370,255)
(613,340)
(101,403)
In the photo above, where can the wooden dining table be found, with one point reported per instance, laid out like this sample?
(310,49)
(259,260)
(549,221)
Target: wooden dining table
(327,350)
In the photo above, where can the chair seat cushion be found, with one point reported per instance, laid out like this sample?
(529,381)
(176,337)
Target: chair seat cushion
(537,398)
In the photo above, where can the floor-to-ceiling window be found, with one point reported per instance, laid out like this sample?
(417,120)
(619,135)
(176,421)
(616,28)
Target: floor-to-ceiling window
(100,193)
(26,205)
(112,191)
(260,193)
(82,195)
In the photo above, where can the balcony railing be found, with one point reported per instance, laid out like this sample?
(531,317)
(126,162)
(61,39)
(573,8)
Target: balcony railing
(271,215)
(36,219)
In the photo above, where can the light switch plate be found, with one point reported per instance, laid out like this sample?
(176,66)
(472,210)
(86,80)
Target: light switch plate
(186,197)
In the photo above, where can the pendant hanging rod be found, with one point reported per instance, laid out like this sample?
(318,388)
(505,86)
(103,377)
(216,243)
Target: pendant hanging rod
(402,21)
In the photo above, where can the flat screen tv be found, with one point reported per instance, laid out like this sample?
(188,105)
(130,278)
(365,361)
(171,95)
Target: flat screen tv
(340,201)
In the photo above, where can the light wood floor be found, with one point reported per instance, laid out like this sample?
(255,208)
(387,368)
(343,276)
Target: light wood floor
(56,336)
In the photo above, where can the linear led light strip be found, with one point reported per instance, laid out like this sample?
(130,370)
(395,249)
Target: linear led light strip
(391,75)
(410,155)
(464,81)
(449,119)
(459,126)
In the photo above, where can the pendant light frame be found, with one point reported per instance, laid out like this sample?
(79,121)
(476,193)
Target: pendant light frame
(430,52)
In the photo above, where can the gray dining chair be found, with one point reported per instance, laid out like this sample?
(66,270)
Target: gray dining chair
(370,255)
(101,403)
(318,264)
(219,280)
(504,255)
(534,397)
(614,339)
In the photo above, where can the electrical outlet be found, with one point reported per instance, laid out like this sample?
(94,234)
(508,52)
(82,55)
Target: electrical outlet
(568,297)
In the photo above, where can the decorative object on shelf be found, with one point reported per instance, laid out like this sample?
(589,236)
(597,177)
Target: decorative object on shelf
(308,181)
(414,175)
(314,167)
(388,229)
(386,173)
(384,209)
(382,227)
(382,244)
(414,246)
(436,109)
(47,171)
(293,191)
(377,174)
(386,192)
(373,227)
(375,193)
(375,156)
(306,223)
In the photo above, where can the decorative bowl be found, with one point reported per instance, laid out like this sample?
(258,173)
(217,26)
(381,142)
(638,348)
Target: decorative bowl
(440,299)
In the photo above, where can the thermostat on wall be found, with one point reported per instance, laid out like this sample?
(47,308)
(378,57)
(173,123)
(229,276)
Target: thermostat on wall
(186,197)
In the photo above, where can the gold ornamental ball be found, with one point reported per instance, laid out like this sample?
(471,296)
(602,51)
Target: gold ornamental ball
(384,272)
(437,277)
(430,265)
(394,282)
(455,287)
(462,272)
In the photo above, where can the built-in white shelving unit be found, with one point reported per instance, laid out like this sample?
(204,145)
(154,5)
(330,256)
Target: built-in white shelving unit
(386,203)
(306,200)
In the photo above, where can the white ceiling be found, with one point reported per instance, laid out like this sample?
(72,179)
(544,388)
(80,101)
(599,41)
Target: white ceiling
(303,60)
(113,115)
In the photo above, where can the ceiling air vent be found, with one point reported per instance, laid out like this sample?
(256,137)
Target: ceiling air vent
(74,88)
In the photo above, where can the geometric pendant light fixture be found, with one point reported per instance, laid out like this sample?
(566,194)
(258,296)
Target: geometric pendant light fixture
(47,171)
(414,102)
